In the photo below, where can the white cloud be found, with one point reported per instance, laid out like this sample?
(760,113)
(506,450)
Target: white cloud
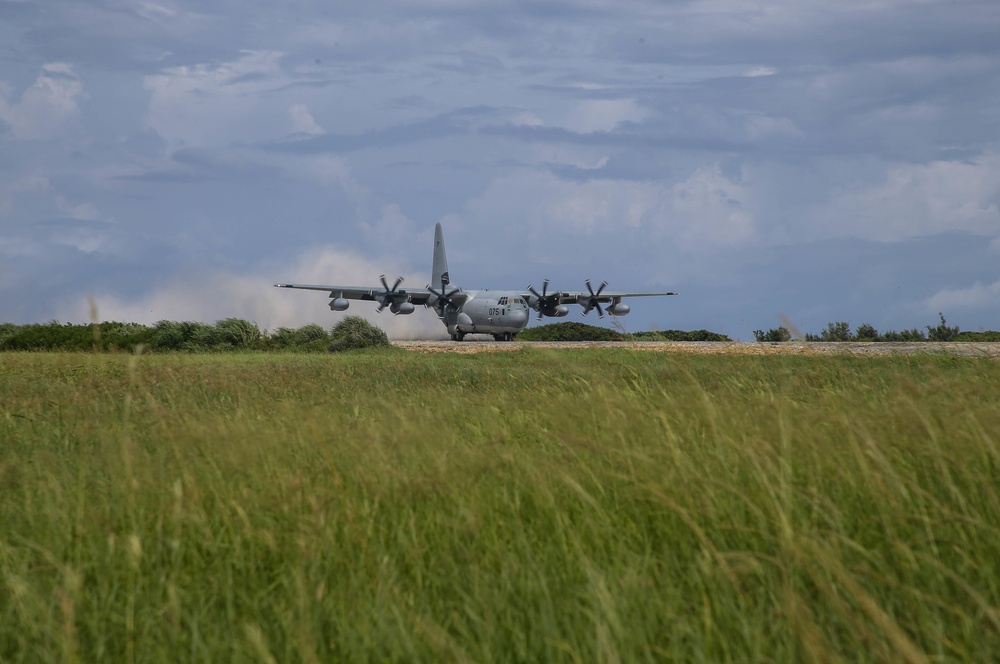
(153,11)
(326,170)
(526,119)
(705,209)
(915,200)
(764,127)
(219,104)
(48,108)
(710,208)
(85,211)
(84,239)
(303,121)
(976,296)
(214,296)
(602,114)
(394,226)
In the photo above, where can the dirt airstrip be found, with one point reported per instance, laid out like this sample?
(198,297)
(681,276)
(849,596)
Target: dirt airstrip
(969,349)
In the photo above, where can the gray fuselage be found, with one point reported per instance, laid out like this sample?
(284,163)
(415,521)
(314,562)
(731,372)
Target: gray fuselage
(493,312)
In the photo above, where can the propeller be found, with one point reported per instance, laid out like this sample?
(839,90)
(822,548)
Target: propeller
(389,294)
(444,296)
(593,301)
(545,301)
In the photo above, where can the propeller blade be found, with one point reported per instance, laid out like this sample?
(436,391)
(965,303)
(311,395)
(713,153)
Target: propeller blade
(593,302)
(543,300)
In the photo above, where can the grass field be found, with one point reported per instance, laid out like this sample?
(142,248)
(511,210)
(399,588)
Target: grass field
(578,506)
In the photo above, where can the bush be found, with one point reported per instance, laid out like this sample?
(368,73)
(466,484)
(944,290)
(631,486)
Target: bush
(283,337)
(168,335)
(942,332)
(124,336)
(912,334)
(678,335)
(840,331)
(7,330)
(866,332)
(355,332)
(50,336)
(773,335)
(988,335)
(569,331)
(186,335)
(237,333)
(309,333)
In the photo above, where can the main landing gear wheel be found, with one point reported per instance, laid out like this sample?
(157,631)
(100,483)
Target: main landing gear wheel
(458,336)
(504,336)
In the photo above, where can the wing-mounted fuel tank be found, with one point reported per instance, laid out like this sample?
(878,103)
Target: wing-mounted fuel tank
(619,309)
(403,308)
(339,304)
(556,312)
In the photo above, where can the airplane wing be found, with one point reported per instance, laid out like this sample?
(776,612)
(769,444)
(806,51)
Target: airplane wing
(606,297)
(382,294)
(589,299)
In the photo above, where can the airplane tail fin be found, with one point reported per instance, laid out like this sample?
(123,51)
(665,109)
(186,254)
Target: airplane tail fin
(439,272)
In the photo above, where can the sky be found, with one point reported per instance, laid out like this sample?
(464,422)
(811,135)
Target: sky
(806,160)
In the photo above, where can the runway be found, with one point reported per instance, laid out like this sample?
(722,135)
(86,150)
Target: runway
(471,345)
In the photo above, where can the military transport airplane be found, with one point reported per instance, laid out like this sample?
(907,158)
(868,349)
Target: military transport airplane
(501,313)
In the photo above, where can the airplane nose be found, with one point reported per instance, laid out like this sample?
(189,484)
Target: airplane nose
(519,317)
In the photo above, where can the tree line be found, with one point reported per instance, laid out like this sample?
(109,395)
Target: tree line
(228,334)
(231,334)
(573,331)
(841,331)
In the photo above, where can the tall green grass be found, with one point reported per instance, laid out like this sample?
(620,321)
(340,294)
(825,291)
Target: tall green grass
(576,506)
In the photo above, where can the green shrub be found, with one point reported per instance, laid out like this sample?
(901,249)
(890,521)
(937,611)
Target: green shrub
(308,333)
(7,330)
(678,335)
(912,334)
(988,335)
(866,332)
(840,331)
(569,331)
(779,334)
(942,332)
(237,333)
(168,335)
(283,337)
(355,332)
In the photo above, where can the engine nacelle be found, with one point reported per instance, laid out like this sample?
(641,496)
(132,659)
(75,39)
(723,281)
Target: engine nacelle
(339,304)
(556,312)
(401,308)
(618,309)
